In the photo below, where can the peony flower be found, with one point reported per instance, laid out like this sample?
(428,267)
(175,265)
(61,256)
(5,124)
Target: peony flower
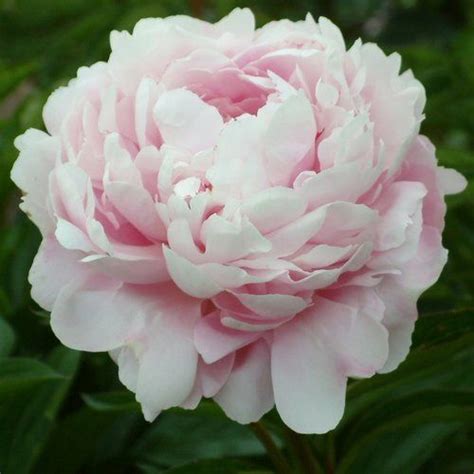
(246,215)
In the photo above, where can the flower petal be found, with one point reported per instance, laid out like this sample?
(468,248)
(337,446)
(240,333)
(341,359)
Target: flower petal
(247,395)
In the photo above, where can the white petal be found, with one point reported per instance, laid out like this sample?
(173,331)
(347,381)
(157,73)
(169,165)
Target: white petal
(240,22)
(451,182)
(273,208)
(226,241)
(202,281)
(290,136)
(185,121)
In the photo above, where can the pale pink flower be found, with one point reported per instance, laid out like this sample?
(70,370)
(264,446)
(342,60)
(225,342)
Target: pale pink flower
(248,215)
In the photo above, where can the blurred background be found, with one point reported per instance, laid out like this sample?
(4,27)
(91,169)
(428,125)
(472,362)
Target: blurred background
(65,412)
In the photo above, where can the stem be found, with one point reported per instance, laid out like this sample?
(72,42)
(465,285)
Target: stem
(274,453)
(197,7)
(309,463)
(331,459)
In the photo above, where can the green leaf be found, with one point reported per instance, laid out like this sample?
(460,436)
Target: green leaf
(19,374)
(402,450)
(180,436)
(434,405)
(430,388)
(7,338)
(112,401)
(34,414)
(460,160)
(216,467)
(366,440)
(434,328)
(95,435)
(434,367)
(11,78)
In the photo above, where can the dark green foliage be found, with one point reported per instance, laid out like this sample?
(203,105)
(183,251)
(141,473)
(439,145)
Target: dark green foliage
(65,413)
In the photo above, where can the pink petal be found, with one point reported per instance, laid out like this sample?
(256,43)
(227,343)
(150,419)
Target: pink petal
(97,314)
(52,269)
(214,341)
(290,136)
(181,116)
(168,363)
(247,395)
(38,153)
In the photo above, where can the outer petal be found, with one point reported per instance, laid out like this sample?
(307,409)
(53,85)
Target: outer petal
(141,265)
(451,182)
(38,154)
(53,268)
(168,362)
(399,318)
(314,354)
(98,314)
(309,388)
(247,394)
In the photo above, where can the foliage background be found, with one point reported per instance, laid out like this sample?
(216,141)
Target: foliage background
(65,412)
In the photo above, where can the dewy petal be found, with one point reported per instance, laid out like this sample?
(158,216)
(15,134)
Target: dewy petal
(247,395)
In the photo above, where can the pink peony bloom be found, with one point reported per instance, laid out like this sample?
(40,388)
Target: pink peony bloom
(247,215)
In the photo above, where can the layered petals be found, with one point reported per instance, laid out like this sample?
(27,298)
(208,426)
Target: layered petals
(238,214)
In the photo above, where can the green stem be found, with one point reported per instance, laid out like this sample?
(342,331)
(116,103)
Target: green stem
(274,453)
(309,464)
(331,458)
